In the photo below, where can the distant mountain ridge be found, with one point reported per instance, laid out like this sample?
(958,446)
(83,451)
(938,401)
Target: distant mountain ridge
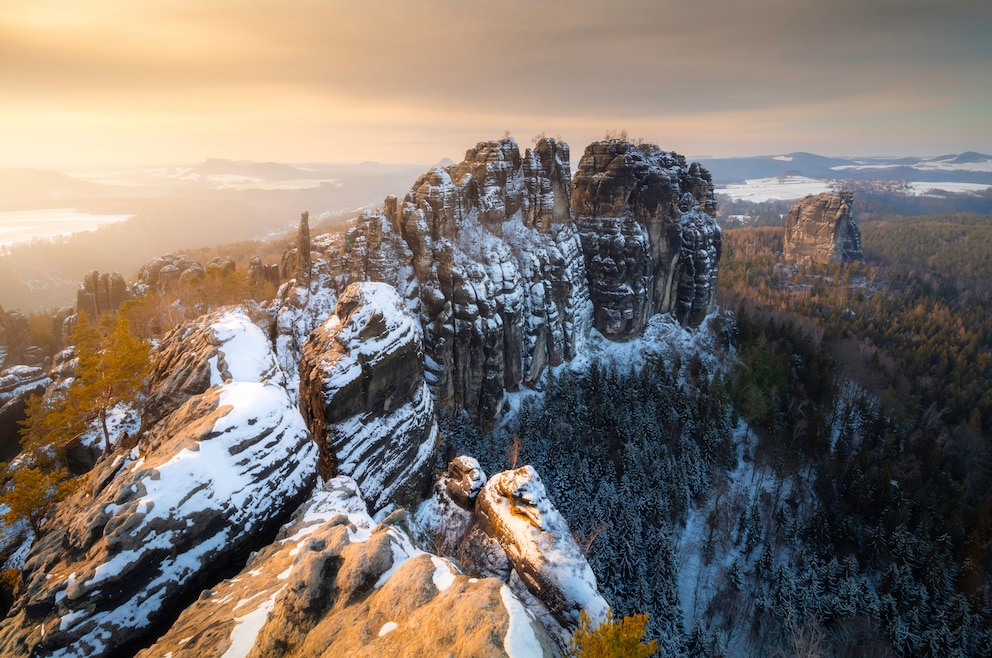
(967,167)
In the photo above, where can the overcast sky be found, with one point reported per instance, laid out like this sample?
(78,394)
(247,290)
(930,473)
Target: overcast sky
(156,81)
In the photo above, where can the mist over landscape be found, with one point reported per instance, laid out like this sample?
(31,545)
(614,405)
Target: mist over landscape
(552,329)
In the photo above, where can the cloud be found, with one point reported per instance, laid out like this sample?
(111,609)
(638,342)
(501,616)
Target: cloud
(420,66)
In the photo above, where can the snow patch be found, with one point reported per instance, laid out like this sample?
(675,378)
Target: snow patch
(520,640)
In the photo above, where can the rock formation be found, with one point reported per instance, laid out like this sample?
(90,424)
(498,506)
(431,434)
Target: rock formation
(363,393)
(508,528)
(513,508)
(336,584)
(149,525)
(487,255)
(17,384)
(821,229)
(101,293)
(650,242)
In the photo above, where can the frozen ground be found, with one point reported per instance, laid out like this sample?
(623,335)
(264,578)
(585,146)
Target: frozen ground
(783,187)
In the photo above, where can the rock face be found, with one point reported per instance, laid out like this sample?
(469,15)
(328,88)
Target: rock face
(213,471)
(513,508)
(336,584)
(363,393)
(101,293)
(485,252)
(650,242)
(821,229)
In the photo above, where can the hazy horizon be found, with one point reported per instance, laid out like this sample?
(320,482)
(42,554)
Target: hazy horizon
(178,81)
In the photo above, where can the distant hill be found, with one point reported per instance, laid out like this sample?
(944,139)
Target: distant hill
(20,188)
(969,167)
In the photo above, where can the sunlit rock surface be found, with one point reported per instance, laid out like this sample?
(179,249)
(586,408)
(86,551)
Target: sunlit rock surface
(334,583)
(821,229)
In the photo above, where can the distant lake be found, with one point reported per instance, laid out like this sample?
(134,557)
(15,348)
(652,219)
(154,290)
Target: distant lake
(26,225)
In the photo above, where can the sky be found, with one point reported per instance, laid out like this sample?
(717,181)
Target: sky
(178,81)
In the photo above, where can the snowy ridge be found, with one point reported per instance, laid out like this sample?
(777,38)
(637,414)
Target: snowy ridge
(365,397)
(333,567)
(212,474)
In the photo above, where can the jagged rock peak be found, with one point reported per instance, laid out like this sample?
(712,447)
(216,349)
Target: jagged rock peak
(101,293)
(650,242)
(821,229)
(363,393)
(502,282)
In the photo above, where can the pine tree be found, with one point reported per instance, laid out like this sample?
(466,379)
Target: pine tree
(611,639)
(111,367)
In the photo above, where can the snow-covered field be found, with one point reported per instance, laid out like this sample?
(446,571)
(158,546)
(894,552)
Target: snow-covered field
(782,187)
(26,225)
(921,188)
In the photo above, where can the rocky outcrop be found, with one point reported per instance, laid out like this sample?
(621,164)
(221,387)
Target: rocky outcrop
(363,393)
(513,508)
(336,584)
(487,257)
(501,286)
(215,470)
(821,229)
(508,528)
(649,239)
(17,384)
(101,293)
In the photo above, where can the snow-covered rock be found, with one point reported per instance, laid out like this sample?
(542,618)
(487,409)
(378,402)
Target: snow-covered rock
(334,583)
(363,393)
(513,508)
(650,242)
(503,288)
(215,470)
(17,384)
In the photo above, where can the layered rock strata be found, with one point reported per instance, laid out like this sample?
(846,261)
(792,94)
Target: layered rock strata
(486,253)
(650,242)
(336,584)
(215,470)
(363,393)
(821,229)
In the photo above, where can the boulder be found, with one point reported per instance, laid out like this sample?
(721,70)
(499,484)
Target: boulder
(363,393)
(821,229)
(648,236)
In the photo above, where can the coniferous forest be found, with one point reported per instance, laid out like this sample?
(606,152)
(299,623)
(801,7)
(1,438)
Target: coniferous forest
(820,483)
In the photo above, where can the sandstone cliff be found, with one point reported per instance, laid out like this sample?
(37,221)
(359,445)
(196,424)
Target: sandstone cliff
(497,255)
(821,229)
(363,394)
(650,242)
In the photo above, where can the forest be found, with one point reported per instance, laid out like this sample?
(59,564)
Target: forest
(820,487)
